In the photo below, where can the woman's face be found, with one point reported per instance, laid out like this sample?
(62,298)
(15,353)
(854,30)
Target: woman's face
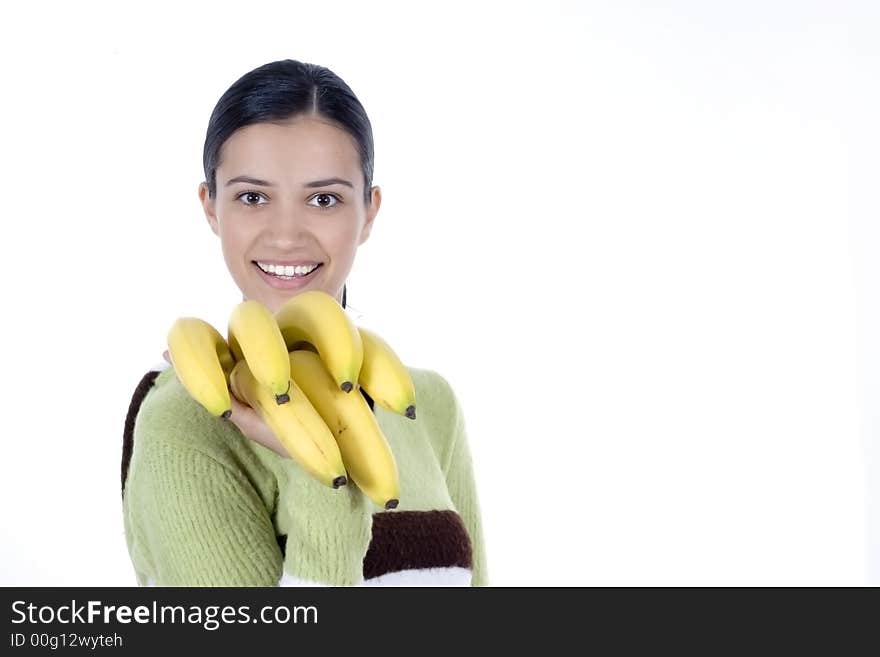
(289,197)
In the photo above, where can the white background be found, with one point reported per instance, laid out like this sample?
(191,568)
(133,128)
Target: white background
(639,240)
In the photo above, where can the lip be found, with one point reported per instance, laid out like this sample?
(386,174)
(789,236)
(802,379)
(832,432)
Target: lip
(296,263)
(294,283)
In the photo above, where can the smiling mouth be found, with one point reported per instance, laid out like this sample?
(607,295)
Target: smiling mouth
(288,273)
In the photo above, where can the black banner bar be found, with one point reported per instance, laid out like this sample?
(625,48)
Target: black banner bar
(404,620)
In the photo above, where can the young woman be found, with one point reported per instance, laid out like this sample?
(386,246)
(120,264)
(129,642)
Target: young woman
(288,161)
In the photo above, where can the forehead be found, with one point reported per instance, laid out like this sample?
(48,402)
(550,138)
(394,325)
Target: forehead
(305,144)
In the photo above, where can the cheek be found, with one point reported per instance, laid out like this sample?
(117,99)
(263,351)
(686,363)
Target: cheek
(234,238)
(341,243)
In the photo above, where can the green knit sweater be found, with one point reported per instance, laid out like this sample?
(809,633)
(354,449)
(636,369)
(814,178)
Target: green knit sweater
(205,506)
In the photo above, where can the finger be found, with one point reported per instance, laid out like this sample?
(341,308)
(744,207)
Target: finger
(253,428)
(238,409)
(166,355)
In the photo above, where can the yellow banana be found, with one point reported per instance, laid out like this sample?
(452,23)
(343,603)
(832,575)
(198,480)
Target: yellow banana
(202,362)
(296,424)
(254,337)
(365,450)
(317,318)
(384,377)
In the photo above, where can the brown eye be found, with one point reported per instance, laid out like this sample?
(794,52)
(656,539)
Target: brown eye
(324,200)
(251,198)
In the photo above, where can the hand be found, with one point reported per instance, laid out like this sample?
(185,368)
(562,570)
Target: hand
(250,424)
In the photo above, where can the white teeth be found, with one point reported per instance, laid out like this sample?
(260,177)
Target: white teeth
(288,271)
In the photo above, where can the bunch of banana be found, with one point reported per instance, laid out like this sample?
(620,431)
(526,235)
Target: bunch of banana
(296,369)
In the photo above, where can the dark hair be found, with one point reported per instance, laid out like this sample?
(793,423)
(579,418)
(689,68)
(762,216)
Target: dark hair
(280,91)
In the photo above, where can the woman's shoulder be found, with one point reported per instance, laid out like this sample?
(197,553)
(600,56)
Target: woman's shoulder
(437,408)
(434,393)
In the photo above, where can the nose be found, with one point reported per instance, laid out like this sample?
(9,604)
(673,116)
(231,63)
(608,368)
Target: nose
(289,228)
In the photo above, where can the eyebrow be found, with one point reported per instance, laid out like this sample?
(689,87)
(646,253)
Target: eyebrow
(315,183)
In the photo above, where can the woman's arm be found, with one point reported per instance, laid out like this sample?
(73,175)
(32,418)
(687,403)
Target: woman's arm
(197,521)
(463,491)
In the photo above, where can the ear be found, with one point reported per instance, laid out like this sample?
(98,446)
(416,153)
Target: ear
(208,207)
(375,202)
